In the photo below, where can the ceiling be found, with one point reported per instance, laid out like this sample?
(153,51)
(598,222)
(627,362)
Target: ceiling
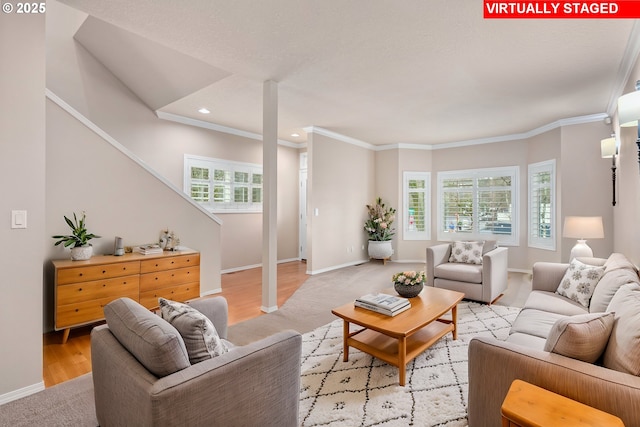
(381,72)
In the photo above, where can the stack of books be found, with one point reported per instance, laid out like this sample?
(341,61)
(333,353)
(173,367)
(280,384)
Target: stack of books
(148,249)
(383,303)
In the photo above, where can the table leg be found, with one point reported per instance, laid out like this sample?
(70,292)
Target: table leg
(402,360)
(345,336)
(454,318)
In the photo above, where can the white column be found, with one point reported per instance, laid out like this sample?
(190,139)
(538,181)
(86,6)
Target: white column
(269,198)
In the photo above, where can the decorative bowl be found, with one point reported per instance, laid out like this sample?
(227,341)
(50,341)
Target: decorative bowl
(408,291)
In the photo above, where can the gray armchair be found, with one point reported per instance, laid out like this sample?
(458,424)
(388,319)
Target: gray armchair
(480,282)
(253,385)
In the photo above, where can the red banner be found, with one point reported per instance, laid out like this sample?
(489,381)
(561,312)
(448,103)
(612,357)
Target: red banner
(623,9)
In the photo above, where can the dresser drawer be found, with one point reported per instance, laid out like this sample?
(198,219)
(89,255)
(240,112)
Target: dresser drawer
(159,264)
(96,272)
(86,312)
(184,292)
(97,289)
(163,279)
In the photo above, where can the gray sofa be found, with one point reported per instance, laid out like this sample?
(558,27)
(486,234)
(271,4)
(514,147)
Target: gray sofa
(483,282)
(610,384)
(253,385)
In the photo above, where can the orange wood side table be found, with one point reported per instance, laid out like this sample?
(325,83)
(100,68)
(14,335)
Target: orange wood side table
(527,405)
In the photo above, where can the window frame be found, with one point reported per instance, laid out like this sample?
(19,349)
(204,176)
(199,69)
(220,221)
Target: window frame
(475,174)
(413,234)
(228,186)
(533,241)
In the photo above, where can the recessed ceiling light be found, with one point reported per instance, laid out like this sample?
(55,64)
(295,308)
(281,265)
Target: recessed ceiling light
(295,135)
(204,111)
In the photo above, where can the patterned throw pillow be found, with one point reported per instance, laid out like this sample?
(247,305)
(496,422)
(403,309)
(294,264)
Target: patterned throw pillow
(466,252)
(580,281)
(199,334)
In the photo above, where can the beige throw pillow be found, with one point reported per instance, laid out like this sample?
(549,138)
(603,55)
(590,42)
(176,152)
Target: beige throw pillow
(623,350)
(579,282)
(466,252)
(198,332)
(583,336)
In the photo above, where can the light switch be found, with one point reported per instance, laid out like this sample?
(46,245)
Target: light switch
(18,219)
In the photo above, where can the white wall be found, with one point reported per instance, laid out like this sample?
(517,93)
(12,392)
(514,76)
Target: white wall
(22,168)
(341,180)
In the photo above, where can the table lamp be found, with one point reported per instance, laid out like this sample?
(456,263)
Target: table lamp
(582,228)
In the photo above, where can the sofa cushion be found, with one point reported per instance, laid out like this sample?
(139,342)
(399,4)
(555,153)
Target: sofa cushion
(608,285)
(580,281)
(527,340)
(197,331)
(468,252)
(470,273)
(535,322)
(583,337)
(619,261)
(554,303)
(623,350)
(153,341)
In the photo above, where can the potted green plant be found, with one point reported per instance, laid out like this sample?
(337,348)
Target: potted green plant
(79,238)
(379,229)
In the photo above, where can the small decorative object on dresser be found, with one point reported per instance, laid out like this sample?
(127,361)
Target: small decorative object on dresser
(79,238)
(409,284)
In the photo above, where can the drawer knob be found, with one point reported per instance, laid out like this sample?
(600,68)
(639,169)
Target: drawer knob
(80,275)
(104,271)
(77,310)
(80,290)
(172,262)
(104,284)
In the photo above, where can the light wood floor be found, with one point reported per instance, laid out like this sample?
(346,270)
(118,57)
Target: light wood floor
(243,291)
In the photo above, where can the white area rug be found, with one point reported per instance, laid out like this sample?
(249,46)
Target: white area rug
(364,391)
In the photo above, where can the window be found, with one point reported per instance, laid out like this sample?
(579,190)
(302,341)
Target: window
(222,185)
(542,201)
(478,204)
(416,195)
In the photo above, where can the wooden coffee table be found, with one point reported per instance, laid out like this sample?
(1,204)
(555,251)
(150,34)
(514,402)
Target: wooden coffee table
(399,339)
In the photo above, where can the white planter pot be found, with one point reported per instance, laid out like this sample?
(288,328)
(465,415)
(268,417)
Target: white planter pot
(81,253)
(380,249)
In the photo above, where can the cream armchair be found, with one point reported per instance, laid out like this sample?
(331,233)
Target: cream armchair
(480,282)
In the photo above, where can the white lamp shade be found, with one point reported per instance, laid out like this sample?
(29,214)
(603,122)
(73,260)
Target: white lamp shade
(629,109)
(583,227)
(608,148)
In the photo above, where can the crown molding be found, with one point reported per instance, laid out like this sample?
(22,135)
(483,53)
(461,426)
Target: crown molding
(220,128)
(339,137)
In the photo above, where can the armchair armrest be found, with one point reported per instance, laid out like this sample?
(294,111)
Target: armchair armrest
(494,273)
(216,309)
(436,255)
(494,364)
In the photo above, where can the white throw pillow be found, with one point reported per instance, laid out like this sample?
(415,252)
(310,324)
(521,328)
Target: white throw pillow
(579,282)
(466,252)
(198,332)
(583,336)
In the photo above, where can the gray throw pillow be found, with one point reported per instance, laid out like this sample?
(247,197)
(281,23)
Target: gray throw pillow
(197,331)
(579,282)
(623,350)
(583,336)
(155,343)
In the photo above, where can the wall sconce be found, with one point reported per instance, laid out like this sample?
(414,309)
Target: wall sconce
(609,149)
(581,228)
(629,112)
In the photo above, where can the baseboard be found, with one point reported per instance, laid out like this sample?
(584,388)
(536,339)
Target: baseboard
(519,270)
(268,309)
(249,267)
(211,292)
(336,267)
(409,261)
(22,392)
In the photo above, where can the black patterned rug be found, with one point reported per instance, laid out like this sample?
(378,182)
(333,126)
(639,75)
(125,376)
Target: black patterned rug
(364,391)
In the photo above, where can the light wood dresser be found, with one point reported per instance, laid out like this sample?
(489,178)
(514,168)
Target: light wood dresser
(83,288)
